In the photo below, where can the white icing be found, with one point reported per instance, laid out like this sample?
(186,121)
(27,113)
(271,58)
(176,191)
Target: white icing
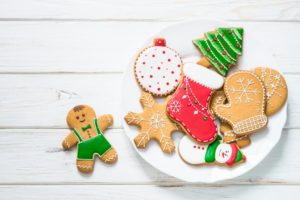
(203,75)
(223,153)
(160,74)
(191,151)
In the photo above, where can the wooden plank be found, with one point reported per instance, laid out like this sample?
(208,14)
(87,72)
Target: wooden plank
(76,47)
(150,10)
(42,101)
(36,157)
(146,192)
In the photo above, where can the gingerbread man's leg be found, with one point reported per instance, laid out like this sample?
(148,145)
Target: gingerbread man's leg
(85,166)
(110,156)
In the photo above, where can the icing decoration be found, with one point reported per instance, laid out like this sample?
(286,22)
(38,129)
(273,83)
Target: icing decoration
(276,88)
(245,92)
(222,47)
(216,152)
(154,124)
(189,105)
(97,145)
(158,68)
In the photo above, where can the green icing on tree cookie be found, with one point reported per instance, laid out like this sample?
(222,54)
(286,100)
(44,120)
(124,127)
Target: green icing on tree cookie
(222,47)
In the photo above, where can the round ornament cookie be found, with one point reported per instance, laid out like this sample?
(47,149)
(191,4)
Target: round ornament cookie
(158,68)
(276,88)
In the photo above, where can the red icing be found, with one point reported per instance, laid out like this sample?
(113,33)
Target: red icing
(153,55)
(201,128)
(163,52)
(233,154)
(158,89)
(159,42)
(158,68)
(169,60)
(151,76)
(144,63)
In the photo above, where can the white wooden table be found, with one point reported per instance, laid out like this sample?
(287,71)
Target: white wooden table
(59,53)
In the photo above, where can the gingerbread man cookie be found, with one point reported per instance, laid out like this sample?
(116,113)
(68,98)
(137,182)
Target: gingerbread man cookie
(245,110)
(215,153)
(154,124)
(87,134)
(276,88)
(158,68)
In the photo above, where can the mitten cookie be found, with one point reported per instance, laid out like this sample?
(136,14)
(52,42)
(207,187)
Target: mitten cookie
(158,68)
(154,124)
(189,104)
(217,98)
(245,110)
(215,153)
(87,134)
(230,137)
(276,88)
(220,48)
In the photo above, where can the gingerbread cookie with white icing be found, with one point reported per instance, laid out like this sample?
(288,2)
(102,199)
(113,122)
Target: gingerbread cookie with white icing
(87,133)
(276,88)
(154,124)
(157,68)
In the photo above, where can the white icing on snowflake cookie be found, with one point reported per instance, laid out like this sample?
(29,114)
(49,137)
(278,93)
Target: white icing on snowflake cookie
(158,69)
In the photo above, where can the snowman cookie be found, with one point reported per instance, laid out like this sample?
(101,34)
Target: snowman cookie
(215,153)
(157,68)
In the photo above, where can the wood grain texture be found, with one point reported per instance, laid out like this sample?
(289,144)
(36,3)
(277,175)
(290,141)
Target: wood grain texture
(276,10)
(43,100)
(88,47)
(145,192)
(36,157)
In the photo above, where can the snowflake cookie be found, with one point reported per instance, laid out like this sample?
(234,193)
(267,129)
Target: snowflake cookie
(154,124)
(245,110)
(158,69)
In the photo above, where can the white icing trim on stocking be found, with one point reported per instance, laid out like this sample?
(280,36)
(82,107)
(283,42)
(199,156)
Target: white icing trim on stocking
(203,76)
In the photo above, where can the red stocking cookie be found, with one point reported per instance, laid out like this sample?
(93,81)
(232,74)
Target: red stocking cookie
(158,69)
(189,105)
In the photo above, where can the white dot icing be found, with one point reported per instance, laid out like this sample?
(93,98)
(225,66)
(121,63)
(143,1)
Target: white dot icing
(158,70)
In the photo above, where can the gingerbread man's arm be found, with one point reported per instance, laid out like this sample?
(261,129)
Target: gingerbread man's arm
(69,141)
(105,121)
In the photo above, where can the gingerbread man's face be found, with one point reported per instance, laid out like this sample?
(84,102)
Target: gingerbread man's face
(80,116)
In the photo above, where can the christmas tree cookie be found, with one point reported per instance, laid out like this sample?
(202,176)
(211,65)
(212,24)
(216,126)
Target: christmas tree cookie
(215,153)
(221,48)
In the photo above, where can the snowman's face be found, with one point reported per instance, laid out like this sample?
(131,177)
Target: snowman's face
(223,153)
(192,152)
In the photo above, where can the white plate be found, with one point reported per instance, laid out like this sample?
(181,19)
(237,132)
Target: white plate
(179,37)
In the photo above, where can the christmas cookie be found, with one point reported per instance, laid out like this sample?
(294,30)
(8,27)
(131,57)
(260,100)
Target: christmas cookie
(245,110)
(158,68)
(215,153)
(276,88)
(189,105)
(221,48)
(87,133)
(154,124)
(230,137)
(217,98)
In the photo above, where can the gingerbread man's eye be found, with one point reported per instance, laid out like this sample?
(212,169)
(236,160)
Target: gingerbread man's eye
(83,115)
(77,117)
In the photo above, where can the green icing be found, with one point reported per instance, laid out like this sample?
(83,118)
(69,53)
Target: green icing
(210,152)
(239,156)
(95,145)
(222,47)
